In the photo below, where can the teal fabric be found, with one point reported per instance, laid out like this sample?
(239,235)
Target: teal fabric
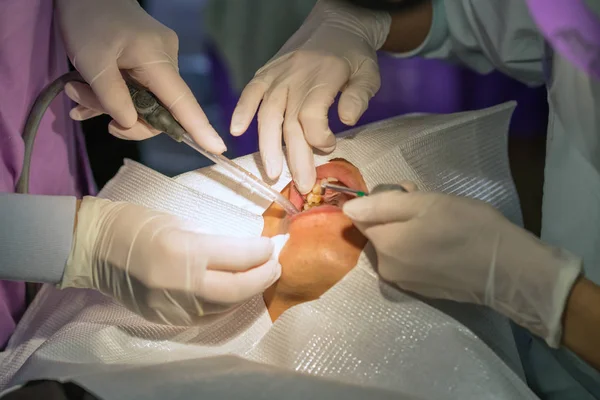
(248,33)
(501,35)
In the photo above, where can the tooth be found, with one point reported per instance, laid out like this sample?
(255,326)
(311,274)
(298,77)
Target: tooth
(313,198)
(317,188)
(306,207)
(331,180)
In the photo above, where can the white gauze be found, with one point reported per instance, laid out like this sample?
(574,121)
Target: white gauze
(361,331)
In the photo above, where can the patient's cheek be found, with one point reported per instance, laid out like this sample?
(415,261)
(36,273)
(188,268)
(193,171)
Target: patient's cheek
(318,254)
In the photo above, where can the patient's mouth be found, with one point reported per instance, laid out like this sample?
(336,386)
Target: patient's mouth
(318,198)
(334,172)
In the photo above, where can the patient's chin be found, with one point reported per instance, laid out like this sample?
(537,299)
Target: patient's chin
(318,254)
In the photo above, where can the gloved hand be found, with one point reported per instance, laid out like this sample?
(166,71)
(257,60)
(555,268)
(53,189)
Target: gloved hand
(160,267)
(461,249)
(333,51)
(108,37)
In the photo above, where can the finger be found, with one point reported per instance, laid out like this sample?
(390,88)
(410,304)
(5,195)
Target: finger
(300,157)
(113,95)
(384,238)
(247,106)
(270,121)
(361,88)
(167,85)
(313,115)
(235,287)
(83,95)
(383,208)
(409,186)
(81,113)
(139,131)
(235,254)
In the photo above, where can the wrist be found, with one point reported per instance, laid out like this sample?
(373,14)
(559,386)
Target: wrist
(410,29)
(567,269)
(87,228)
(581,321)
(540,279)
(373,26)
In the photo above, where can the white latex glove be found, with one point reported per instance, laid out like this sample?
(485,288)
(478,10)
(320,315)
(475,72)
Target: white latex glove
(461,249)
(105,38)
(333,51)
(160,267)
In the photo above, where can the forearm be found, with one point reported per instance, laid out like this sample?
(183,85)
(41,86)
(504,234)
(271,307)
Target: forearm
(36,234)
(481,35)
(410,27)
(581,322)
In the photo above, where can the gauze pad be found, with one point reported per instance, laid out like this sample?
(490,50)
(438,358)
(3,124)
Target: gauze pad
(361,331)
(279,241)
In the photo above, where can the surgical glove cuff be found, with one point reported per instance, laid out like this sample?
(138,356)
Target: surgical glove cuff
(567,270)
(538,295)
(79,272)
(372,26)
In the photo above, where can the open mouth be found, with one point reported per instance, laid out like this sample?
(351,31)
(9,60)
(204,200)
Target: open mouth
(336,173)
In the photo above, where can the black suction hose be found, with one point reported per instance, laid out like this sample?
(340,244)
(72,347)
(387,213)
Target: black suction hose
(34,119)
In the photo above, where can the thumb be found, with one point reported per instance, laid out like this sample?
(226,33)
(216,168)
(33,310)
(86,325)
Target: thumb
(382,208)
(360,89)
(113,95)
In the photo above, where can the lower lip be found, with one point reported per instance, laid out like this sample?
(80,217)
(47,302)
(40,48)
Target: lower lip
(324,209)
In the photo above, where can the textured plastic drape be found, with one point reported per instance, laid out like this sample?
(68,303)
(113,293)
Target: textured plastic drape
(362,332)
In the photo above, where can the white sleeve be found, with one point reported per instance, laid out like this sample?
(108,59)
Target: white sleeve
(36,234)
(485,35)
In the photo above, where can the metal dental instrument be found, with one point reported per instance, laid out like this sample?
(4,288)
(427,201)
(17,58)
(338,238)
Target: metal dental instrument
(337,188)
(360,193)
(154,114)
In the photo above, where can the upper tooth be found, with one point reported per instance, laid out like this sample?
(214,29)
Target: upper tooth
(328,180)
(313,198)
(317,188)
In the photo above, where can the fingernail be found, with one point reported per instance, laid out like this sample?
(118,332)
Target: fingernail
(328,149)
(81,114)
(236,128)
(351,113)
(115,133)
(331,140)
(271,167)
(303,187)
(217,144)
(236,124)
(75,115)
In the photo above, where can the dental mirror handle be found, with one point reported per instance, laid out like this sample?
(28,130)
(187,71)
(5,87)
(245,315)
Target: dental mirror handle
(360,193)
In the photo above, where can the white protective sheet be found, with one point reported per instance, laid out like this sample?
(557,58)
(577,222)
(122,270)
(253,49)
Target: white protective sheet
(361,332)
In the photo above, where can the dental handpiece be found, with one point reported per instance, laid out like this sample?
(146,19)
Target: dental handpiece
(151,111)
